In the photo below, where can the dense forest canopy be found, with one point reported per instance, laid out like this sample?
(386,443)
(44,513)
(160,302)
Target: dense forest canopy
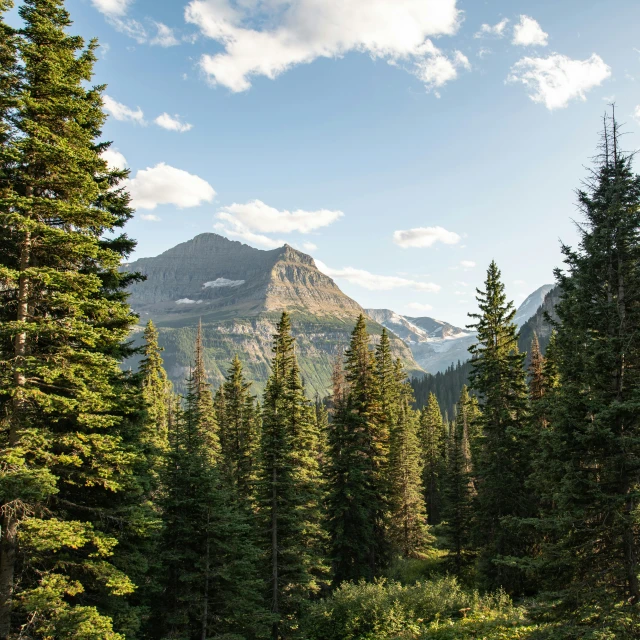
(497,500)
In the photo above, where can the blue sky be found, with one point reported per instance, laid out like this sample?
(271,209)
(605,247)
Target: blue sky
(335,124)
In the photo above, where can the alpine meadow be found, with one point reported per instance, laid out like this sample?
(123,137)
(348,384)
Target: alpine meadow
(204,436)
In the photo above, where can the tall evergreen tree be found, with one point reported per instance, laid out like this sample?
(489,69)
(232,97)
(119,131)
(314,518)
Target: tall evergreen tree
(593,448)
(409,532)
(432,435)
(459,487)
(358,453)
(238,421)
(209,560)
(68,412)
(536,371)
(498,377)
(289,488)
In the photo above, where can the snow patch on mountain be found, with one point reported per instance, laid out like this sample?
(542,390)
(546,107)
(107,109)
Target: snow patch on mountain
(222,282)
(188,301)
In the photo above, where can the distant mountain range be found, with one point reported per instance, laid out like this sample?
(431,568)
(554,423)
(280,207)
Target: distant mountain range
(435,344)
(239,292)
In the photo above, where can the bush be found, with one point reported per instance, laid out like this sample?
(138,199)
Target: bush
(438,609)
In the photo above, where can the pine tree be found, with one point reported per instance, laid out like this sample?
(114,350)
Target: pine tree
(432,436)
(536,371)
(289,488)
(593,448)
(68,413)
(358,488)
(209,560)
(459,487)
(239,431)
(503,463)
(409,532)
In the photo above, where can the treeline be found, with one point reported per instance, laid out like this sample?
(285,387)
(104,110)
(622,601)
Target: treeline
(128,512)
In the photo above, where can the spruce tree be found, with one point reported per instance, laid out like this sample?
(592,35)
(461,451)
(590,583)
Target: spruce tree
(503,463)
(238,421)
(459,487)
(358,489)
(593,448)
(432,436)
(536,371)
(289,488)
(209,561)
(408,528)
(68,413)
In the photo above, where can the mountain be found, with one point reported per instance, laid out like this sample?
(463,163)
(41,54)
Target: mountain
(238,293)
(538,322)
(435,344)
(531,304)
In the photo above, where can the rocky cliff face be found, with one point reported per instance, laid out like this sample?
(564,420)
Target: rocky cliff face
(238,293)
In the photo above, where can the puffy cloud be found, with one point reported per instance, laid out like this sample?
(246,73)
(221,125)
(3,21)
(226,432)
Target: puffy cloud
(556,80)
(121,112)
(300,31)
(164,36)
(242,233)
(375,282)
(419,306)
(496,30)
(114,159)
(436,69)
(529,33)
(260,217)
(150,217)
(164,184)
(468,264)
(172,123)
(309,246)
(112,7)
(424,237)
(636,114)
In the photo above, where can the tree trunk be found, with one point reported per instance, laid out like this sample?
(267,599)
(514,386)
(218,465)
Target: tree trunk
(8,540)
(275,632)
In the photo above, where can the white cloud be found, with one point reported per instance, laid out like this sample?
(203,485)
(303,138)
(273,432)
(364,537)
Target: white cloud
(462,283)
(375,282)
(150,217)
(418,306)
(468,264)
(309,246)
(112,7)
(114,159)
(636,114)
(164,36)
(301,31)
(519,282)
(172,123)
(556,80)
(222,282)
(164,184)
(436,69)
(121,112)
(258,216)
(424,237)
(496,30)
(529,33)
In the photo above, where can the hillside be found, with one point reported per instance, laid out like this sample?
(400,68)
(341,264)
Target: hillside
(238,293)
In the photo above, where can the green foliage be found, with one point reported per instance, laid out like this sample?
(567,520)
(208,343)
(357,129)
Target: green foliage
(503,460)
(435,609)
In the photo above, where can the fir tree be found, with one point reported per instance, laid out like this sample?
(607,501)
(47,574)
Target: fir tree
(358,488)
(409,532)
(289,488)
(459,488)
(593,444)
(503,463)
(68,412)
(432,436)
(536,371)
(239,431)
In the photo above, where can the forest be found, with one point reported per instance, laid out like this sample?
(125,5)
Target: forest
(129,512)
